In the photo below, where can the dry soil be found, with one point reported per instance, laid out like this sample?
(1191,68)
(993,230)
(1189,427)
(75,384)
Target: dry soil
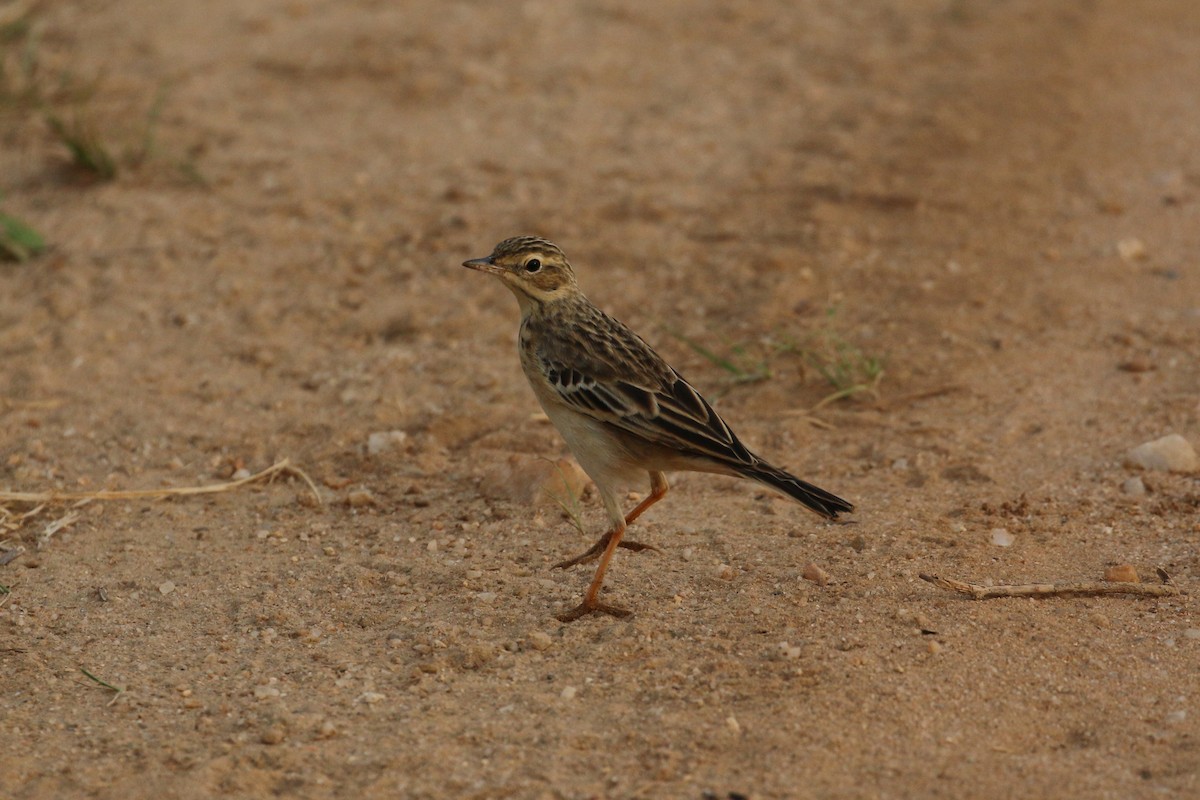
(996,200)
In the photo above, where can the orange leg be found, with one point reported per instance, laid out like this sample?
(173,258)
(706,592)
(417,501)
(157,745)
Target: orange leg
(610,542)
(658,490)
(591,602)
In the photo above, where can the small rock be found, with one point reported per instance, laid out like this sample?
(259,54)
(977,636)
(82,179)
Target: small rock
(166,587)
(1171,453)
(529,480)
(540,640)
(272,735)
(815,574)
(568,693)
(1001,537)
(787,650)
(1136,365)
(266,691)
(858,543)
(370,698)
(360,498)
(1134,487)
(1192,633)
(733,725)
(725,572)
(383,441)
(933,647)
(1131,249)
(240,475)
(1100,620)
(1121,573)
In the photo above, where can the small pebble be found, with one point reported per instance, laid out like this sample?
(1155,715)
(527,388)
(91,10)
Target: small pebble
(1134,487)
(1192,633)
(432,546)
(568,693)
(1001,537)
(734,726)
(241,474)
(789,650)
(1131,249)
(540,640)
(1171,453)
(1121,573)
(725,572)
(360,498)
(272,735)
(382,441)
(371,698)
(934,648)
(815,574)
(166,587)
(1137,365)
(1100,620)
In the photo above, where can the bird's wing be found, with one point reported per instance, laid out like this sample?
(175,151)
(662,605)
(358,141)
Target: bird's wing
(600,368)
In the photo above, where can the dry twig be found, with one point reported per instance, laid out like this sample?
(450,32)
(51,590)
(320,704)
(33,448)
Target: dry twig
(1086,588)
(282,467)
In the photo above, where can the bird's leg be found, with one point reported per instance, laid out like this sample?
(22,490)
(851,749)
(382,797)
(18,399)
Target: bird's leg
(591,603)
(609,544)
(658,490)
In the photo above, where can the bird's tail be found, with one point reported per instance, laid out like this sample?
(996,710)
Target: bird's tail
(824,503)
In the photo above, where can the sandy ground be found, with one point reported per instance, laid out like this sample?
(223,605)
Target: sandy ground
(999,200)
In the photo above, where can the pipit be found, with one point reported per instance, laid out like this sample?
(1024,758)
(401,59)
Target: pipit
(622,410)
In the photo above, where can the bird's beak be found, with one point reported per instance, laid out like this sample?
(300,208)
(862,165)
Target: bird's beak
(483,265)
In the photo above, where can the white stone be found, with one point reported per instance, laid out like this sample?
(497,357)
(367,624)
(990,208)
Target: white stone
(1171,453)
(1001,537)
(383,441)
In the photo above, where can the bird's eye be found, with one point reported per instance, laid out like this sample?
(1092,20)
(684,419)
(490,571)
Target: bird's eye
(533,265)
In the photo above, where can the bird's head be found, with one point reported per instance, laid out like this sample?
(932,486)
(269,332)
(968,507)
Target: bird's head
(534,269)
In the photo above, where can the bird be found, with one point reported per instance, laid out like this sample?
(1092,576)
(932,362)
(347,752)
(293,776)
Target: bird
(623,411)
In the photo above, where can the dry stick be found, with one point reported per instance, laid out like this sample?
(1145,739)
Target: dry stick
(1165,589)
(284,466)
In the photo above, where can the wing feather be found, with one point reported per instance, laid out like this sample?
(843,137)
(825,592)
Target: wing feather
(601,368)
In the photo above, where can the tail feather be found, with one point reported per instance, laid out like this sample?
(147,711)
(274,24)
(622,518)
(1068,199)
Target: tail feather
(813,497)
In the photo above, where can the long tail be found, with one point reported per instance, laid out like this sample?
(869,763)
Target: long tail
(824,503)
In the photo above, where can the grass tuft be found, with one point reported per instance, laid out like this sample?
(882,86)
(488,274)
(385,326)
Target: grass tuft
(18,241)
(88,151)
(844,365)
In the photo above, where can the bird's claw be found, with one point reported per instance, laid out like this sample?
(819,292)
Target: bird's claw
(584,608)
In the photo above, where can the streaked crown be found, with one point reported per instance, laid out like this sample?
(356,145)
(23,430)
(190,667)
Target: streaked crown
(517,246)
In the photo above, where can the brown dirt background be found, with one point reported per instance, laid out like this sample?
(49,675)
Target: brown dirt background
(952,175)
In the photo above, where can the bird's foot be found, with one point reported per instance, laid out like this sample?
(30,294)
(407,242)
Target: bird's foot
(595,550)
(585,608)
